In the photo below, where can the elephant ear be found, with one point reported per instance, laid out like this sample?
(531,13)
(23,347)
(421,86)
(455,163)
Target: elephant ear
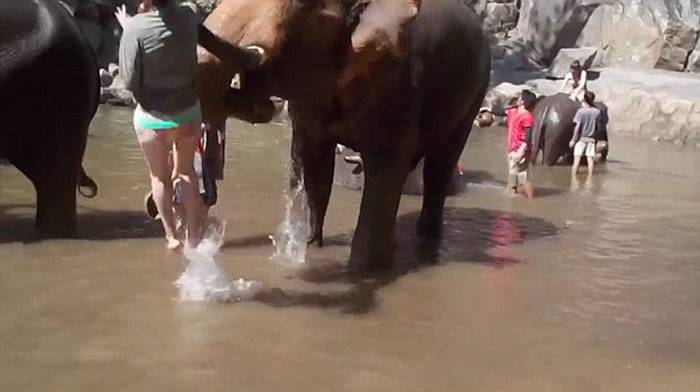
(381,33)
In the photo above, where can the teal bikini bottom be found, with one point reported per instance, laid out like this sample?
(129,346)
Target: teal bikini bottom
(156,122)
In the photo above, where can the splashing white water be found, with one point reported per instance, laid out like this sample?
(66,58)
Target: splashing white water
(292,234)
(205,280)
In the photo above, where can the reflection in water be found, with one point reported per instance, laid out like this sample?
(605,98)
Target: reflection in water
(587,290)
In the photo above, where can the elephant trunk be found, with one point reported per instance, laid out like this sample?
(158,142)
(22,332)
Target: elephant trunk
(240,59)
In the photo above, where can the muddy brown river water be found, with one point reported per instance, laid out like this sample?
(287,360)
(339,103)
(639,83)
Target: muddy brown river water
(595,288)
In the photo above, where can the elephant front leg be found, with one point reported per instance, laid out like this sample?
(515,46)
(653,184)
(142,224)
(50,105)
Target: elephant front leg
(318,164)
(56,209)
(55,183)
(373,242)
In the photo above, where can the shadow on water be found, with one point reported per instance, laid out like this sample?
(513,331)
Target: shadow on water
(257,240)
(471,235)
(17,225)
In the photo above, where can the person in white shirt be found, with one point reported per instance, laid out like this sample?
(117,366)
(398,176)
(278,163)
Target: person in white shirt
(575,82)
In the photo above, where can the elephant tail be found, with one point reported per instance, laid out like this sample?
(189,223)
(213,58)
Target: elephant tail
(538,132)
(87,187)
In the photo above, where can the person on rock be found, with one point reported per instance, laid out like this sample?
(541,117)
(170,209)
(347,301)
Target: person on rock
(583,140)
(575,82)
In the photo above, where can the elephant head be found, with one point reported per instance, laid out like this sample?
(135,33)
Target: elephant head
(316,50)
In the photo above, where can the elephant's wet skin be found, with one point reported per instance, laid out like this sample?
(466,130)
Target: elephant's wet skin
(470,235)
(554,128)
(44,55)
(396,81)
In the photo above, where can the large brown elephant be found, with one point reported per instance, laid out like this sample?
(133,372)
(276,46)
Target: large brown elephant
(554,127)
(396,80)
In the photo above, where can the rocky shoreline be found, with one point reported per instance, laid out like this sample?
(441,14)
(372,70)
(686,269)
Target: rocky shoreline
(643,55)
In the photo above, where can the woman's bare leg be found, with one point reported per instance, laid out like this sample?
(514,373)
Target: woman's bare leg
(187,137)
(156,146)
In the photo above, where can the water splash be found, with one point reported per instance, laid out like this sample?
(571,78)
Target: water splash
(204,279)
(292,234)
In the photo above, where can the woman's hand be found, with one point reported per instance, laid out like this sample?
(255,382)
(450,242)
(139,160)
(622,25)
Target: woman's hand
(122,17)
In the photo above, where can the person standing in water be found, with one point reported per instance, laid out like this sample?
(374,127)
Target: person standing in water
(586,120)
(520,124)
(575,82)
(520,121)
(158,64)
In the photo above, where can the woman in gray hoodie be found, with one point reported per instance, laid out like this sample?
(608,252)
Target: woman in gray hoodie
(158,63)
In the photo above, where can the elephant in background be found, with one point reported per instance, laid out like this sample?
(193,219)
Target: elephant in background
(395,80)
(49,93)
(554,127)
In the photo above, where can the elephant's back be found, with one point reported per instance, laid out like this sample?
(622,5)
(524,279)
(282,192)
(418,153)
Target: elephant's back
(450,59)
(562,107)
(45,57)
(31,29)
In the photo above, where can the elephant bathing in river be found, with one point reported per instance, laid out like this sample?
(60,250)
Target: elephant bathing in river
(48,95)
(554,127)
(396,80)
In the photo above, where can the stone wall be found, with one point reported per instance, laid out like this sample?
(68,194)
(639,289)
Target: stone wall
(657,105)
(642,34)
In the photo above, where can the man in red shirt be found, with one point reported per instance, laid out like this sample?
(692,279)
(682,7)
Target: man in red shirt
(520,124)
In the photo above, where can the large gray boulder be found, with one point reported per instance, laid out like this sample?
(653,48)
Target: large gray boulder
(694,59)
(502,95)
(644,33)
(545,26)
(500,17)
(561,64)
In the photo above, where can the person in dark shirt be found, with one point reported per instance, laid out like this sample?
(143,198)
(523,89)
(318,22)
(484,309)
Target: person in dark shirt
(583,141)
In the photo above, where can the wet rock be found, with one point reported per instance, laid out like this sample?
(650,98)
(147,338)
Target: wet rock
(205,7)
(116,94)
(503,95)
(479,6)
(560,65)
(106,78)
(498,52)
(500,17)
(113,69)
(694,59)
(679,41)
(117,97)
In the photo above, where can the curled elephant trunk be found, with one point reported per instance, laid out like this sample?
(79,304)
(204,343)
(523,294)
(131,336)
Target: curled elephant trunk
(240,59)
(86,185)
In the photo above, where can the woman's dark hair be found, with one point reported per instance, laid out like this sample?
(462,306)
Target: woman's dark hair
(529,99)
(160,3)
(576,65)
